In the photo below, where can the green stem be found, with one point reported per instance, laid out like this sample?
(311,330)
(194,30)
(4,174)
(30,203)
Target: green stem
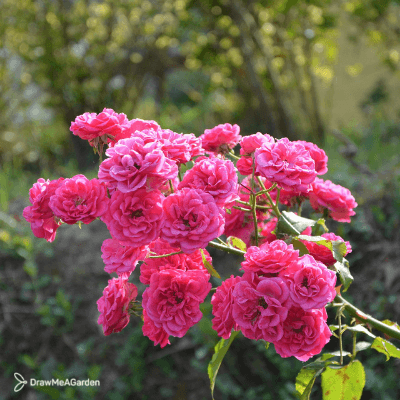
(249,205)
(227,249)
(179,173)
(241,208)
(171,187)
(367,319)
(232,154)
(354,345)
(340,339)
(253,202)
(166,255)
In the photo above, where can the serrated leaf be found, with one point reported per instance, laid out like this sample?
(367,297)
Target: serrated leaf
(360,346)
(337,247)
(386,348)
(342,268)
(236,242)
(346,383)
(292,224)
(297,245)
(220,350)
(360,328)
(208,266)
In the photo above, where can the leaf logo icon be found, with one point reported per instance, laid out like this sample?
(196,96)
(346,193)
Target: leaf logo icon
(21,380)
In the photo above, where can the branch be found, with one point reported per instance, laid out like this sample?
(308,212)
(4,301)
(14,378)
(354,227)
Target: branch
(231,250)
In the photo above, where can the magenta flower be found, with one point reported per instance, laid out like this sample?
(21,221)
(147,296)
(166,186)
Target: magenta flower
(192,219)
(318,155)
(79,199)
(249,145)
(322,253)
(89,126)
(154,333)
(172,301)
(335,198)
(114,304)
(133,164)
(260,310)
(221,139)
(269,258)
(287,163)
(120,258)
(135,218)
(131,127)
(222,302)
(184,262)
(311,283)
(305,333)
(43,222)
(215,176)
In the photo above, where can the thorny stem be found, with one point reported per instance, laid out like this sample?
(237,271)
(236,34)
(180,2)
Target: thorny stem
(226,248)
(241,208)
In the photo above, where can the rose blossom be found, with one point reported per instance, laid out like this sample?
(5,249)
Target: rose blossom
(184,262)
(89,126)
(39,214)
(249,144)
(222,302)
(221,139)
(259,310)
(135,218)
(131,127)
(172,301)
(335,198)
(114,304)
(305,333)
(132,164)
(269,258)
(192,219)
(153,332)
(318,155)
(322,253)
(214,176)
(79,199)
(311,283)
(287,163)
(121,258)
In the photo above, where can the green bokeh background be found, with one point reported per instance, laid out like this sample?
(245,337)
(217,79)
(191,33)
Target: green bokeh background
(322,71)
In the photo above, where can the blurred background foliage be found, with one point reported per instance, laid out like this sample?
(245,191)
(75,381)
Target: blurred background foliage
(323,71)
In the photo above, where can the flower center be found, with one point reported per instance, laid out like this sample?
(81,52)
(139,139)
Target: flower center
(137,213)
(262,303)
(305,282)
(79,201)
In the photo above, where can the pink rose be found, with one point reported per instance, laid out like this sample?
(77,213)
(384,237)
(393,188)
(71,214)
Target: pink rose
(249,145)
(135,218)
(131,127)
(192,219)
(79,199)
(172,301)
(221,139)
(335,198)
(39,214)
(154,333)
(259,311)
(269,258)
(305,333)
(89,126)
(318,155)
(222,302)
(114,304)
(215,176)
(322,253)
(311,283)
(287,163)
(133,164)
(184,262)
(120,258)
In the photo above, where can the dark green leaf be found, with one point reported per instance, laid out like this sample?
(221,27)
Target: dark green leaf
(300,246)
(386,348)
(292,224)
(220,350)
(342,268)
(346,383)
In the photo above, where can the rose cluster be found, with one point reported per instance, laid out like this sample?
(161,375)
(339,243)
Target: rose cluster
(164,219)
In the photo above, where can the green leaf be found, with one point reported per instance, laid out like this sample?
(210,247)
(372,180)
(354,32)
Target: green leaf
(346,383)
(362,329)
(267,345)
(236,242)
(297,245)
(292,224)
(304,383)
(31,269)
(208,266)
(360,346)
(342,268)
(386,348)
(220,350)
